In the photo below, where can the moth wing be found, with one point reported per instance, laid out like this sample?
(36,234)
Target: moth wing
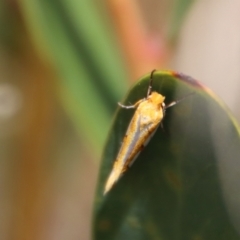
(113,177)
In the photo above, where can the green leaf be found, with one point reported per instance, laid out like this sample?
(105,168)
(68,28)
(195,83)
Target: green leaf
(80,42)
(185,183)
(180,10)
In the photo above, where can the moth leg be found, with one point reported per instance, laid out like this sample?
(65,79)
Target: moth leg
(131,106)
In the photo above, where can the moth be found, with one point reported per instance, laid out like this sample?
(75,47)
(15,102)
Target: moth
(148,116)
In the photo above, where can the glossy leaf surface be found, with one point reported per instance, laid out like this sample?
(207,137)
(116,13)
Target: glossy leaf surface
(184,184)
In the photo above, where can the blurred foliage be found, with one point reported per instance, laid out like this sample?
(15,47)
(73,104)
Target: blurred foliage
(8,27)
(178,186)
(178,15)
(80,43)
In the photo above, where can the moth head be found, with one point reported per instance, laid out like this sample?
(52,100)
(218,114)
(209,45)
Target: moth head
(157,99)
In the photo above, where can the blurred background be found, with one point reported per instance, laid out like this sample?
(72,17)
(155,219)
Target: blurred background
(64,65)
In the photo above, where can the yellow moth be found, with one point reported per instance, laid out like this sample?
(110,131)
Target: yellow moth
(145,121)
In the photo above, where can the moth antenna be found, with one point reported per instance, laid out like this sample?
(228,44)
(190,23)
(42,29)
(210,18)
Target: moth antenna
(179,100)
(150,83)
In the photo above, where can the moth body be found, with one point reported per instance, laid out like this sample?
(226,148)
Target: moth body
(145,121)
